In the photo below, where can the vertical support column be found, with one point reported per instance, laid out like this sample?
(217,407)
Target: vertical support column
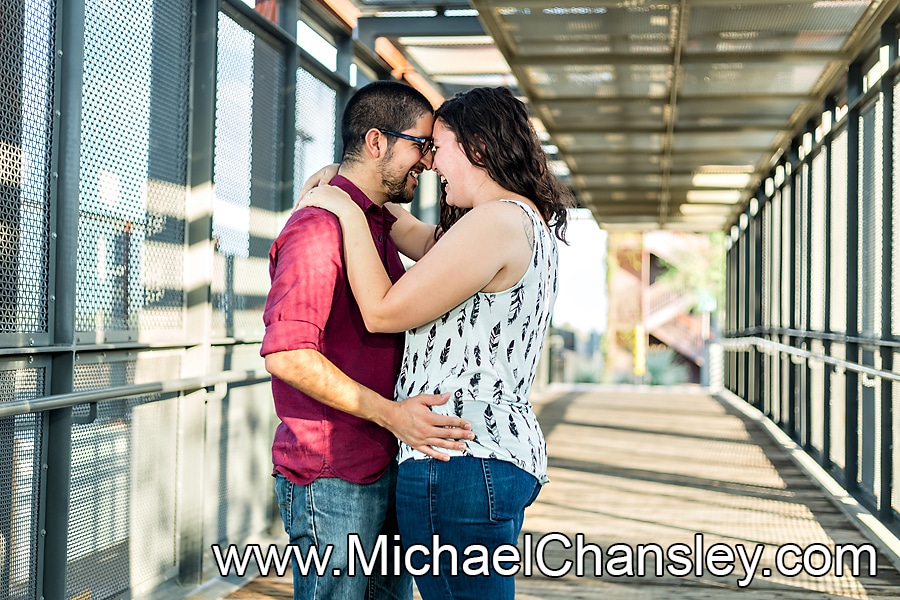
(287,19)
(889,41)
(344,45)
(64,233)
(851,439)
(199,280)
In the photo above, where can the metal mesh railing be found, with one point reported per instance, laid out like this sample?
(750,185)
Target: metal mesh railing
(247,211)
(834,393)
(27,48)
(818,233)
(837,317)
(21,449)
(870,219)
(123,466)
(100,264)
(315,118)
(133,170)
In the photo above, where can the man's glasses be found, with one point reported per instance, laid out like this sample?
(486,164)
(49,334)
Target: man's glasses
(423,144)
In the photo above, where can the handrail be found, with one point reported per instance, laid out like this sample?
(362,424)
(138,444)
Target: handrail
(45,403)
(736,343)
(818,335)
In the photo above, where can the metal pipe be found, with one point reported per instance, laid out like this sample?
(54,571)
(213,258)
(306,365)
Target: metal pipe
(66,400)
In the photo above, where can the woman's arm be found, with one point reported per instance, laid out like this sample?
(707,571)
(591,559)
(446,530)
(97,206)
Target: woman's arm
(466,259)
(320,177)
(413,237)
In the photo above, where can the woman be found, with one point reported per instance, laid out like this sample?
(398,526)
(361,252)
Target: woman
(476,308)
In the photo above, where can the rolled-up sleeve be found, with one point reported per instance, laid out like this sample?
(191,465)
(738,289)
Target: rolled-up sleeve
(305,265)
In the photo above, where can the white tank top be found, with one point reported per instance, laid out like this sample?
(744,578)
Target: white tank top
(484,353)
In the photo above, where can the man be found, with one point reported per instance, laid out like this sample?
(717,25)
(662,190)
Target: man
(332,380)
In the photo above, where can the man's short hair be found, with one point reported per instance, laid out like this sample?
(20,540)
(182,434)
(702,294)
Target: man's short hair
(388,105)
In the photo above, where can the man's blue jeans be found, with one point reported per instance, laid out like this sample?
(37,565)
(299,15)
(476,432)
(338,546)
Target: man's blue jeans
(465,501)
(326,512)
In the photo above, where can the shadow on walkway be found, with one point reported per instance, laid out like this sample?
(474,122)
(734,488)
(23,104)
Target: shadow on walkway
(664,467)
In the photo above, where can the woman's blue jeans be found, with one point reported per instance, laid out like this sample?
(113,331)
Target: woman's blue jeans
(464,501)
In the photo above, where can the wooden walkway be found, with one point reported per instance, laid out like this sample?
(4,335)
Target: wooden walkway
(659,467)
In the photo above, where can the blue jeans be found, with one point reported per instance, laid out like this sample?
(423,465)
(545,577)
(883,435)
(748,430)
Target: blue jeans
(326,512)
(465,501)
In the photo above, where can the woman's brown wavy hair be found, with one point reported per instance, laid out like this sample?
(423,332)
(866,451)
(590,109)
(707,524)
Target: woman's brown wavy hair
(493,127)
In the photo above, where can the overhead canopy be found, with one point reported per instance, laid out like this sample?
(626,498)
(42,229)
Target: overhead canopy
(662,115)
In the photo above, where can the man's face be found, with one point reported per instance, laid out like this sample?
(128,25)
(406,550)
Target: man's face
(401,165)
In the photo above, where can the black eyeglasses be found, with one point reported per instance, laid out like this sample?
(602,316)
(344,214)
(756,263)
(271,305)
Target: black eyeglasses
(424,145)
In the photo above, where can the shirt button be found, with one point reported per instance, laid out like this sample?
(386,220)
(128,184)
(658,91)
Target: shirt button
(380,238)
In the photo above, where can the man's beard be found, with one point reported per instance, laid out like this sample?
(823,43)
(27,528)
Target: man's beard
(395,188)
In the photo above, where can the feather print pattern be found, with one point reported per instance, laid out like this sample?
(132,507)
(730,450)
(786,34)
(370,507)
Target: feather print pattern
(429,346)
(494,342)
(445,353)
(485,352)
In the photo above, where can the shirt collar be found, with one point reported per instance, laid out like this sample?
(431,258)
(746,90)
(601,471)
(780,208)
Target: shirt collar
(361,199)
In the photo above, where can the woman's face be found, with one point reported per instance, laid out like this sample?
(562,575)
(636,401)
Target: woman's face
(452,165)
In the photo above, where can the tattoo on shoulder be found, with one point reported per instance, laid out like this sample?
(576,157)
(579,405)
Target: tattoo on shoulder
(529,230)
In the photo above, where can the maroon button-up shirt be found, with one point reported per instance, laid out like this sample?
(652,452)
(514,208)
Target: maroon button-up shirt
(310,305)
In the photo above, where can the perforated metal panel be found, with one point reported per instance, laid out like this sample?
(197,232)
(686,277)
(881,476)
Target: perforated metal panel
(729,78)
(751,28)
(133,168)
(775,379)
(838,226)
(564,30)
(315,119)
(20,473)
(246,214)
(122,497)
(27,44)
(818,235)
(600,81)
(869,424)
(775,264)
(838,408)
(817,396)
(895,234)
(801,245)
(895,451)
(765,218)
(871,182)
(99,370)
(787,238)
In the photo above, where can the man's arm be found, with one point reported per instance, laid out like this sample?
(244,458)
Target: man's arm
(410,420)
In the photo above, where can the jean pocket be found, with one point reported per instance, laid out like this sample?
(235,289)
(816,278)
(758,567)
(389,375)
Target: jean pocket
(509,489)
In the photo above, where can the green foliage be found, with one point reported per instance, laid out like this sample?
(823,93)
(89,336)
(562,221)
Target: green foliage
(587,374)
(664,367)
(699,269)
